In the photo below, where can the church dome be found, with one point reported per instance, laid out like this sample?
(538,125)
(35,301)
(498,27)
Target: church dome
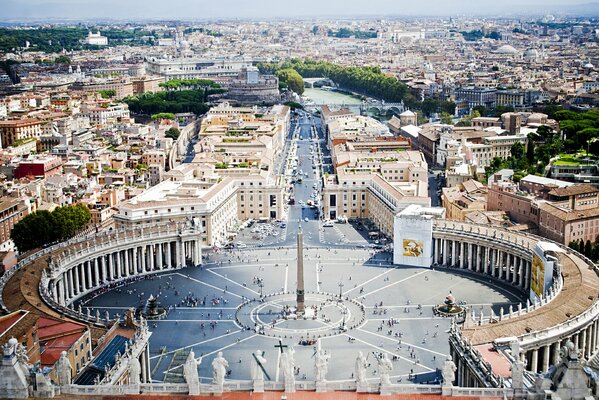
(506,49)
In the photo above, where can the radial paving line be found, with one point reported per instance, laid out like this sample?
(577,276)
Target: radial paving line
(199,343)
(370,280)
(403,342)
(387,351)
(232,281)
(222,348)
(394,283)
(212,286)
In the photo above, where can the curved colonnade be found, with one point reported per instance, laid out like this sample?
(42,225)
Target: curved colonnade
(109,259)
(569,310)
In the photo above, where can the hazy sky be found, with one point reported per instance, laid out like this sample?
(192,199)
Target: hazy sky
(206,9)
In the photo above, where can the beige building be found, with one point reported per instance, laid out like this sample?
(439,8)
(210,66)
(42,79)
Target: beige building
(14,130)
(573,215)
(464,199)
(370,196)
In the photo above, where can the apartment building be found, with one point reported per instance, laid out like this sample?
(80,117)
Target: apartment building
(572,214)
(15,130)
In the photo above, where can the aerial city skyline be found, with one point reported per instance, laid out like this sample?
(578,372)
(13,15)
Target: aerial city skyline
(266,9)
(319,200)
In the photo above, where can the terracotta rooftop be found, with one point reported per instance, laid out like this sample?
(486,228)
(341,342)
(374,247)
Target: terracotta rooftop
(573,190)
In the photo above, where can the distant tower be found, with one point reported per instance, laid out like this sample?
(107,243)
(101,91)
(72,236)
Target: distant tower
(300,272)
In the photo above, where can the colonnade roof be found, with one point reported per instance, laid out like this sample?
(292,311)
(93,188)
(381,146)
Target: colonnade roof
(21,293)
(579,292)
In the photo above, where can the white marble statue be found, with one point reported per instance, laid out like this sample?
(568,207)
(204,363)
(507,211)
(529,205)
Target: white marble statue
(321,365)
(361,365)
(190,369)
(219,369)
(134,371)
(385,368)
(448,372)
(63,370)
(287,365)
(258,360)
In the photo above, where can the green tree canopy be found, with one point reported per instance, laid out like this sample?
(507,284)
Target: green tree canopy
(107,94)
(62,60)
(172,133)
(292,79)
(159,116)
(42,227)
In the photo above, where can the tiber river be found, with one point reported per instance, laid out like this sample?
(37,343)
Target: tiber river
(320,96)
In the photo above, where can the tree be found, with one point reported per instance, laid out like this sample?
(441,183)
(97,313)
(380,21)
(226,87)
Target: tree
(446,118)
(588,249)
(517,151)
(62,60)
(107,94)
(160,116)
(42,227)
(172,133)
(292,78)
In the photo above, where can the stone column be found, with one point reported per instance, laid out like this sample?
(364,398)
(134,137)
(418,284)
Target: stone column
(126,260)
(546,350)
(556,348)
(469,260)
(152,257)
(129,267)
(159,256)
(61,293)
(76,274)
(119,272)
(103,264)
(486,260)
(55,290)
(87,276)
(96,272)
(583,342)
(197,252)
(445,251)
(134,262)
(168,255)
(69,275)
(110,266)
(526,271)
(182,247)
(437,251)
(534,363)
(453,253)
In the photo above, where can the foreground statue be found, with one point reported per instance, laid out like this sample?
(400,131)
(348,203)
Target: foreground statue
(361,365)
(134,371)
(287,365)
(190,373)
(63,370)
(219,371)
(257,370)
(385,368)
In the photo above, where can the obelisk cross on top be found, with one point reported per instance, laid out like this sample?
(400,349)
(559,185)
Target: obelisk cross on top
(300,272)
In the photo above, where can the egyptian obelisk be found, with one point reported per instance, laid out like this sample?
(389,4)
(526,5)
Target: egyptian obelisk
(300,272)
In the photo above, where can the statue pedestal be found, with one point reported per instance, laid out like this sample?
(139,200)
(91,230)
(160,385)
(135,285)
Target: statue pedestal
(194,389)
(321,386)
(289,388)
(258,386)
(386,390)
(446,390)
(217,389)
(362,388)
